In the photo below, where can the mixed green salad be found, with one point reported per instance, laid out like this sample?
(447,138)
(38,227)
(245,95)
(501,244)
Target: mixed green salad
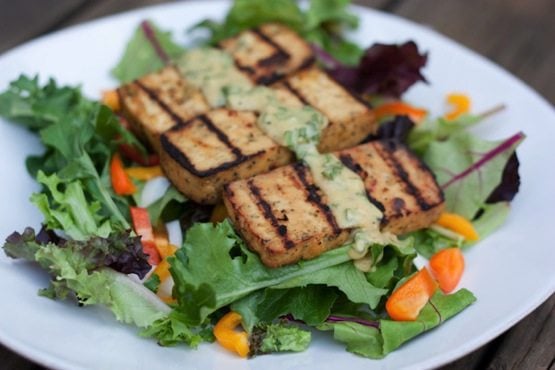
(88,245)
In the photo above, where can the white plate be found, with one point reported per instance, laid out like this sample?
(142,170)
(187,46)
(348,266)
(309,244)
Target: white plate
(511,272)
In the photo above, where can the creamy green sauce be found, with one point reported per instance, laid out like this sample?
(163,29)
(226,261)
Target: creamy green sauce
(350,206)
(213,72)
(299,129)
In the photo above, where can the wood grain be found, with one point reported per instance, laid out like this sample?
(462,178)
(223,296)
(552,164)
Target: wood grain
(518,35)
(22,20)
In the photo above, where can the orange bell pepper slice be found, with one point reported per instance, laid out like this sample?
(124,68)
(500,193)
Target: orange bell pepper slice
(447,266)
(408,300)
(458,224)
(398,108)
(121,183)
(228,337)
(143,228)
(460,103)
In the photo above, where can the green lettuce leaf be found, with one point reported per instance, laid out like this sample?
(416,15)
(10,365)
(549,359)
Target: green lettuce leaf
(278,338)
(251,13)
(214,268)
(311,304)
(376,341)
(80,137)
(346,277)
(491,218)
(168,207)
(69,210)
(172,330)
(468,169)
(322,23)
(79,268)
(148,50)
(439,130)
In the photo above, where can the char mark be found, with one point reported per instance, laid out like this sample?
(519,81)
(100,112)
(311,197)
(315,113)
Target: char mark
(154,97)
(276,58)
(186,163)
(386,150)
(314,197)
(266,209)
(268,79)
(295,92)
(349,162)
(279,50)
(221,136)
(307,62)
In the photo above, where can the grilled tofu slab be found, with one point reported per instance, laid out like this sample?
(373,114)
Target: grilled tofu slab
(269,52)
(158,101)
(203,154)
(350,121)
(285,217)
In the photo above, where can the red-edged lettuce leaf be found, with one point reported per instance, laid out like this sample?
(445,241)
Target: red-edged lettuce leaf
(120,251)
(469,169)
(384,69)
(376,339)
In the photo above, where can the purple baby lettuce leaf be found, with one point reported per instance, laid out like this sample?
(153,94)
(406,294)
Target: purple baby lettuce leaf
(384,69)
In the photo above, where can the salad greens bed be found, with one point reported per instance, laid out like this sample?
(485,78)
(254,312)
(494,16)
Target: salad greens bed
(87,245)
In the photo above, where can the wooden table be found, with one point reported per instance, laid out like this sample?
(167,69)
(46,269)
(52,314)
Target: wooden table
(518,35)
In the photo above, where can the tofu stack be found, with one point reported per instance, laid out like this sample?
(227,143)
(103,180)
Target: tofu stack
(202,148)
(285,217)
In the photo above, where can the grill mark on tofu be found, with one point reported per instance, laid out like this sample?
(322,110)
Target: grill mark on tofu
(386,150)
(314,197)
(269,79)
(154,97)
(354,166)
(222,137)
(266,209)
(186,163)
(295,92)
(279,56)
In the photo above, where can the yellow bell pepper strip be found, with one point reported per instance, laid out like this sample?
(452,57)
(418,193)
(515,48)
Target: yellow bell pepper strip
(219,213)
(399,108)
(458,224)
(121,183)
(110,98)
(226,334)
(144,173)
(460,104)
(162,270)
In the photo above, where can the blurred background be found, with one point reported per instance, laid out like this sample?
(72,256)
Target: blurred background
(518,35)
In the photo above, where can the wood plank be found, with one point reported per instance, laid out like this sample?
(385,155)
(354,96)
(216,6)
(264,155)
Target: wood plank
(518,35)
(22,20)
(530,344)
